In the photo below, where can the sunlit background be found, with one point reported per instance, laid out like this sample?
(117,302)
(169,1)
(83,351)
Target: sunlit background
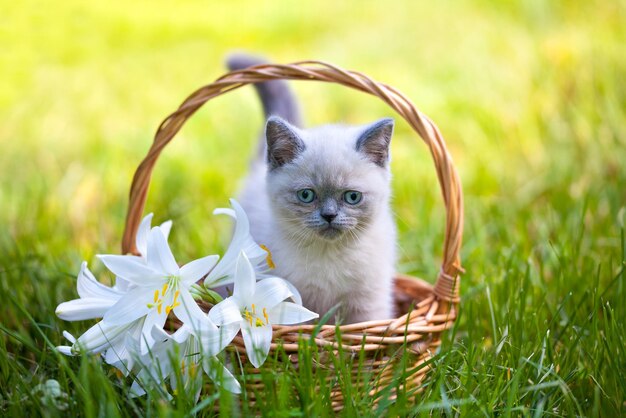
(530,96)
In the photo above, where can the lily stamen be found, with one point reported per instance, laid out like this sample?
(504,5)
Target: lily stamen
(268,258)
(174,304)
(266,316)
(247,315)
(252,318)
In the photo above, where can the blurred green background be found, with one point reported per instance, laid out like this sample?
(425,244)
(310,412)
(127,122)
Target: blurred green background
(530,96)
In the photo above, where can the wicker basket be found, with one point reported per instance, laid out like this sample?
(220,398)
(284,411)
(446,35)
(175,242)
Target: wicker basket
(429,309)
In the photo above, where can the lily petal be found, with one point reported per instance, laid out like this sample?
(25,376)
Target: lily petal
(69,337)
(65,349)
(160,256)
(241,241)
(295,294)
(270,292)
(220,374)
(243,225)
(288,313)
(153,320)
(119,357)
(131,268)
(156,365)
(182,335)
(89,287)
(136,390)
(85,308)
(225,312)
(225,211)
(160,335)
(125,351)
(213,341)
(141,241)
(193,271)
(99,337)
(242,231)
(188,311)
(130,307)
(257,341)
(166,228)
(122,285)
(150,376)
(245,280)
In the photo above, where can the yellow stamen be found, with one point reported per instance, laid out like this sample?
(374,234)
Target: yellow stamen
(164,289)
(251,317)
(159,306)
(253,309)
(169,308)
(193,370)
(156,295)
(268,259)
(247,316)
(266,316)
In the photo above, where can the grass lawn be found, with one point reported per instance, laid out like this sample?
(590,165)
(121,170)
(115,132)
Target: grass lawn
(530,96)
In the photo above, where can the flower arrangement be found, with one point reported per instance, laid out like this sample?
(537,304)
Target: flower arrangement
(151,288)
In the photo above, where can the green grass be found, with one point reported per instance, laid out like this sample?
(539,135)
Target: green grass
(529,95)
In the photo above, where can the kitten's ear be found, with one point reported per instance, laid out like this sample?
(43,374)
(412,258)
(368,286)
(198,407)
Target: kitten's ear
(283,142)
(374,141)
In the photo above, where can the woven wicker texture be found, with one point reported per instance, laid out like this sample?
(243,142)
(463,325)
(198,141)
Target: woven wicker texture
(434,307)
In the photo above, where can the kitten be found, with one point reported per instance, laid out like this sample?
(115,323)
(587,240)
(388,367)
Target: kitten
(319,200)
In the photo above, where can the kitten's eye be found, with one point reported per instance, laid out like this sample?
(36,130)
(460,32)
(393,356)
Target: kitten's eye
(352,197)
(306,195)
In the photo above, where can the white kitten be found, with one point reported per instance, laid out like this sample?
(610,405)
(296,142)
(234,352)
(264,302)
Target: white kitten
(319,200)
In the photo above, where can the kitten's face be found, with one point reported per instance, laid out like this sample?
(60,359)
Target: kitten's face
(324,204)
(327,186)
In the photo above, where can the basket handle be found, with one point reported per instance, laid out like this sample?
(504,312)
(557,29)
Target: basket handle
(447,285)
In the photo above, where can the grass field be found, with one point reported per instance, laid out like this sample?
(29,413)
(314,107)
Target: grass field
(530,96)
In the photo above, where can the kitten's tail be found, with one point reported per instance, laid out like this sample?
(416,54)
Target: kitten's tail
(276,96)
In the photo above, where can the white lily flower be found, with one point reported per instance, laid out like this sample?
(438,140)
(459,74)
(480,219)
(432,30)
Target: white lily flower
(94,297)
(183,348)
(259,255)
(160,287)
(255,306)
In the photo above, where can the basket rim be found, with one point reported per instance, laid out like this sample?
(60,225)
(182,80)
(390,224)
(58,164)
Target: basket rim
(446,287)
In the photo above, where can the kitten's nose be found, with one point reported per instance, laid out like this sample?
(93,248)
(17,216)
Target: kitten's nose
(329,216)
